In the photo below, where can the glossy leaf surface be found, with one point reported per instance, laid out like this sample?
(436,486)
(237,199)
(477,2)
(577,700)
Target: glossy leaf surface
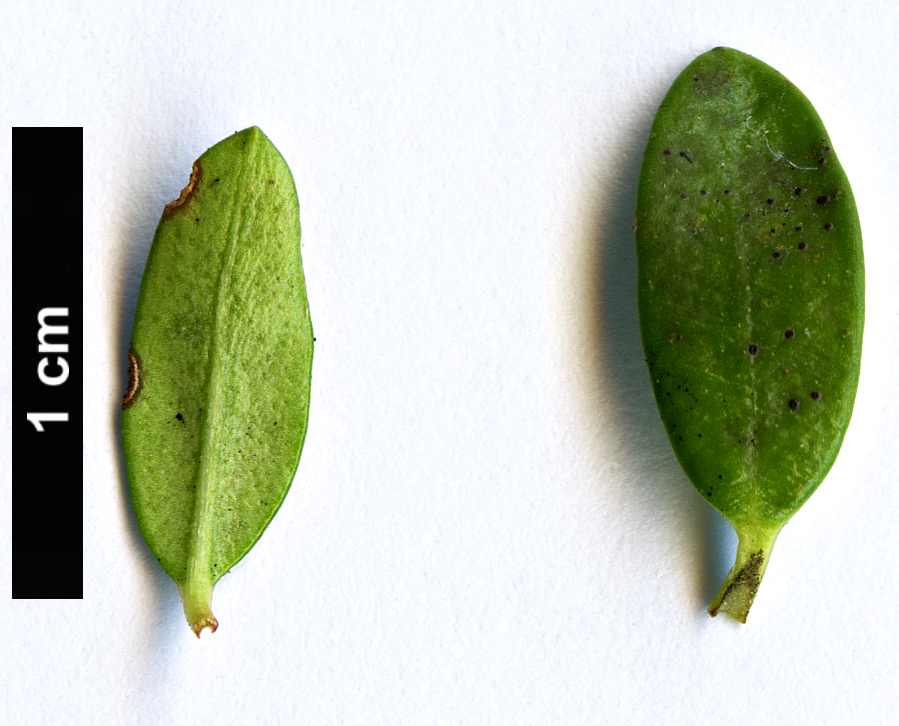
(221,359)
(751,296)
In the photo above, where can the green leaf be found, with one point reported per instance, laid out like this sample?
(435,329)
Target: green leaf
(751,296)
(220,367)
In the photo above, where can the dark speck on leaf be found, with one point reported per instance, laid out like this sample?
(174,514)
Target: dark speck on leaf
(770,201)
(790,334)
(753,349)
(816,395)
(802,245)
(828,226)
(824,199)
(794,404)
(667,152)
(799,191)
(776,255)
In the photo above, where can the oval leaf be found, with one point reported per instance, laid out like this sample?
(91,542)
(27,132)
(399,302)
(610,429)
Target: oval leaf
(751,296)
(220,367)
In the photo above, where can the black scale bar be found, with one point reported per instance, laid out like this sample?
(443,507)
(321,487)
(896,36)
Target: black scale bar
(47,363)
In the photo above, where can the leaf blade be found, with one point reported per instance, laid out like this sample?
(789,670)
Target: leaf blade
(751,288)
(224,342)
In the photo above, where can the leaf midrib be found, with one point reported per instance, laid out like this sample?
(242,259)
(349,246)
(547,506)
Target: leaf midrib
(199,564)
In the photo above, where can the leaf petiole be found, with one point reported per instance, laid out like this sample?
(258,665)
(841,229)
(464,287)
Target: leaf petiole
(742,582)
(196,595)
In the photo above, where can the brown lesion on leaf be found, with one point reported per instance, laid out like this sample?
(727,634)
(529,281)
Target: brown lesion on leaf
(134,370)
(187,192)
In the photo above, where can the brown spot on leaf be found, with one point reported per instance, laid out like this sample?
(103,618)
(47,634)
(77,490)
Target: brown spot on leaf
(134,369)
(186,193)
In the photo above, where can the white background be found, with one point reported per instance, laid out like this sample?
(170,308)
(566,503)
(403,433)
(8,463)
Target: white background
(488,525)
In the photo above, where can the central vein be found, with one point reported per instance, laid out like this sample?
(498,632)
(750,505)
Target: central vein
(199,564)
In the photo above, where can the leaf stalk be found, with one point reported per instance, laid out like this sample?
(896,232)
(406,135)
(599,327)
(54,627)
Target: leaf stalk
(196,596)
(742,582)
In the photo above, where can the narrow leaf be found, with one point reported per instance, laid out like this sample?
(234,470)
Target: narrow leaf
(751,296)
(220,367)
